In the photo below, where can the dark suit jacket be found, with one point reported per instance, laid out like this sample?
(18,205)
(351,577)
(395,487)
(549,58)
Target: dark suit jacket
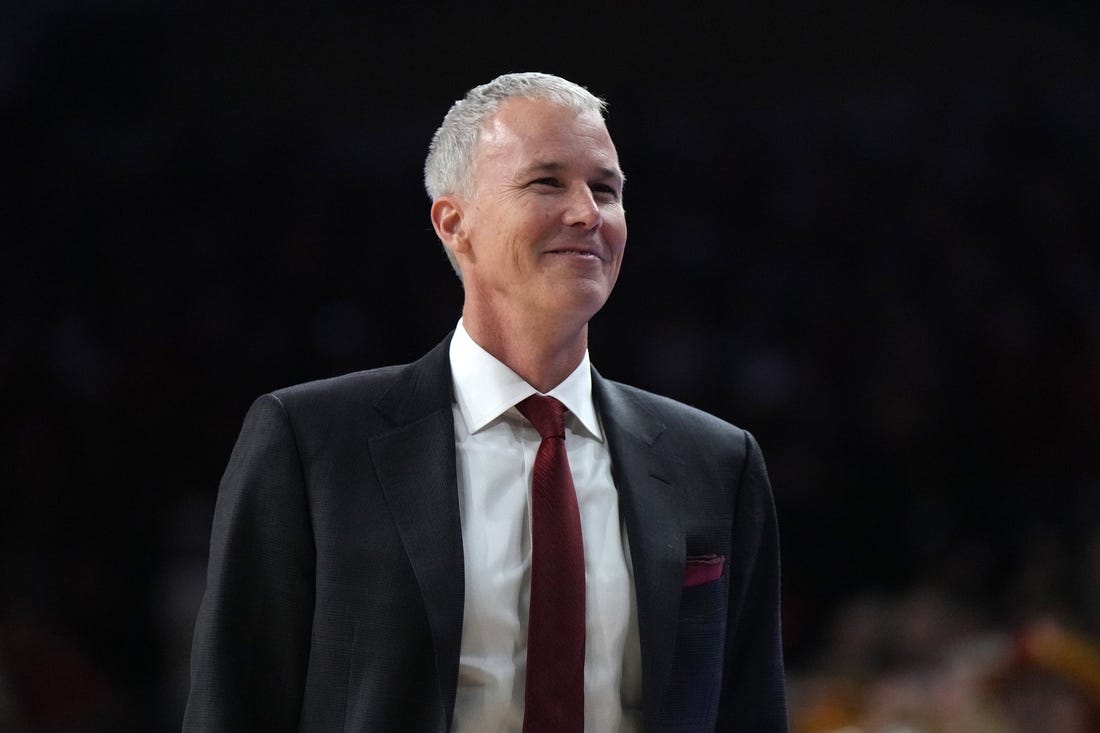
(334,594)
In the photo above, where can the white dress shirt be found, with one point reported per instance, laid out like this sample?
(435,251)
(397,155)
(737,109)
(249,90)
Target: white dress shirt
(496,449)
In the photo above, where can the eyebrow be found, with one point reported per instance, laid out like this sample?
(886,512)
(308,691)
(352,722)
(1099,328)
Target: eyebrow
(552,167)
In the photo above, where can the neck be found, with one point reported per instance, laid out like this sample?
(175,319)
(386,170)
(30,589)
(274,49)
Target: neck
(541,351)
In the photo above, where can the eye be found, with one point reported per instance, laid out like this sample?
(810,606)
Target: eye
(548,182)
(606,191)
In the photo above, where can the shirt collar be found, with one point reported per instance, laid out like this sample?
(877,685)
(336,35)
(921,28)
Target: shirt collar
(485,388)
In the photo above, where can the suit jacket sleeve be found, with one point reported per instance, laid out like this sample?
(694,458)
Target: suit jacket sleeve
(753,689)
(251,643)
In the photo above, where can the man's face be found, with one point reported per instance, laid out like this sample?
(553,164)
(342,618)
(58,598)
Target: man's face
(544,222)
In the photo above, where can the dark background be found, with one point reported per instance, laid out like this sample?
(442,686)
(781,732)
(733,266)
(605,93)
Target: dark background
(866,232)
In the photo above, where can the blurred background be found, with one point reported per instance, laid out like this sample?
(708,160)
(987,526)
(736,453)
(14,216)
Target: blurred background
(867,232)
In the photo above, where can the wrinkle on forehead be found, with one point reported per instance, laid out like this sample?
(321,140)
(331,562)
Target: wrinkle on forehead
(505,123)
(543,137)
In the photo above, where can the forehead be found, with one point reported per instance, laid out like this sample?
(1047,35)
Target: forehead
(525,130)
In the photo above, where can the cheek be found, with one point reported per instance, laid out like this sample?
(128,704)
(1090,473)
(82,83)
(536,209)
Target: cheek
(616,234)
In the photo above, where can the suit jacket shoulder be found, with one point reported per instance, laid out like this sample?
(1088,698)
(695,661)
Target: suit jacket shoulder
(675,413)
(682,433)
(375,398)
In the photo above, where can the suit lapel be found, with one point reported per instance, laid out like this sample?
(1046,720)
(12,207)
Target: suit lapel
(416,469)
(649,499)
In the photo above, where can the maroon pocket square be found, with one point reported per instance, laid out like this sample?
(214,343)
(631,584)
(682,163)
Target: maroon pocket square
(703,569)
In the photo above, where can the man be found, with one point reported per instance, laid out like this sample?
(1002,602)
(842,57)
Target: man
(402,550)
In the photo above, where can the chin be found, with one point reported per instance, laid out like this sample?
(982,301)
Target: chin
(587,302)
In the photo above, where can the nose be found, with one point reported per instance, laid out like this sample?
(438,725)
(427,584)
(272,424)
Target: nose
(582,209)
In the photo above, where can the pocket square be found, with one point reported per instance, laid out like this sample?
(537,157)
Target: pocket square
(703,569)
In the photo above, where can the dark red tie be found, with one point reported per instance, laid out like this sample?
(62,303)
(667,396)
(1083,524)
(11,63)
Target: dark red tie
(554,700)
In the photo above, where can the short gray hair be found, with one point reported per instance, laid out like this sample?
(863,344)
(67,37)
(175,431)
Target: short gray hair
(450,155)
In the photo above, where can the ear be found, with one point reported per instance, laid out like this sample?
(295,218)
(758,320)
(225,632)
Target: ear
(449,225)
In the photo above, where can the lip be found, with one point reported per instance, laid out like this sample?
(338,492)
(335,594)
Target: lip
(576,252)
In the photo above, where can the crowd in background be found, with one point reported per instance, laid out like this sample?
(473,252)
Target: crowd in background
(870,241)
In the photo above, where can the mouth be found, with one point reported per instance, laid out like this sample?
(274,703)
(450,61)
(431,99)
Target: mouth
(576,252)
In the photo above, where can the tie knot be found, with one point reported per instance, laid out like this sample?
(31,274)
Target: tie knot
(546,414)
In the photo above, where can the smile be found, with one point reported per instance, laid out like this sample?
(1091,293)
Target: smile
(576,253)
